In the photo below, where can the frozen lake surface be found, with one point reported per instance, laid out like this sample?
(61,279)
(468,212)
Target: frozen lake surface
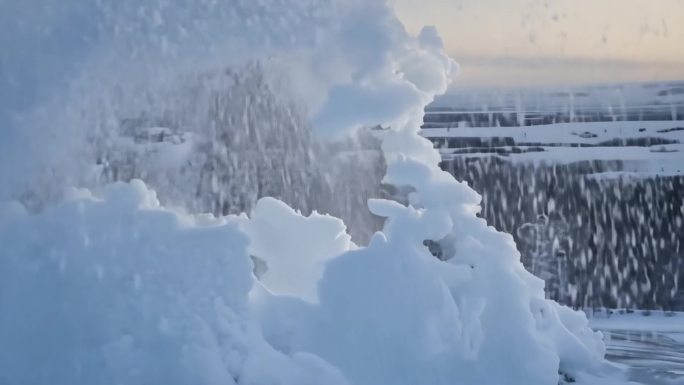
(652,346)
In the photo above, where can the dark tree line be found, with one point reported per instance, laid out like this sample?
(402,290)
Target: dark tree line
(597,242)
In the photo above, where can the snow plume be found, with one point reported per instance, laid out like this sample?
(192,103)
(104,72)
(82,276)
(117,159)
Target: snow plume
(110,287)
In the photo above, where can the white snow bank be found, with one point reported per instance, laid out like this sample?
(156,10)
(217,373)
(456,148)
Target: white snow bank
(568,132)
(118,290)
(392,313)
(295,248)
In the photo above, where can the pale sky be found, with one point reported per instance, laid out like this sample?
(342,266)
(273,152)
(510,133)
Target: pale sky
(540,42)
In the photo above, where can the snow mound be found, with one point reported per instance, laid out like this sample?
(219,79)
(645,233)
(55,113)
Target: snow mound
(117,290)
(295,248)
(392,313)
(120,290)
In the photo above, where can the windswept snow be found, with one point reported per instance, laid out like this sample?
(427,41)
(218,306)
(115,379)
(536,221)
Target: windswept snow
(645,148)
(650,343)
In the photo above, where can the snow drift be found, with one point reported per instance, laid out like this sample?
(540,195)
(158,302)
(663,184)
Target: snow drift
(111,288)
(117,290)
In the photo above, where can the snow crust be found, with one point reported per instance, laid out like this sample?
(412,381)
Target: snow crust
(111,288)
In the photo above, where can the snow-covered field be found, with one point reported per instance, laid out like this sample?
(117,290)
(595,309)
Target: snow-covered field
(630,142)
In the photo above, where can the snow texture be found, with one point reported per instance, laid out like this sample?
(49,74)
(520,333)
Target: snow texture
(117,290)
(114,289)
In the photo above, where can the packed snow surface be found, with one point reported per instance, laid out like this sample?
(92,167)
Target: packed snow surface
(110,287)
